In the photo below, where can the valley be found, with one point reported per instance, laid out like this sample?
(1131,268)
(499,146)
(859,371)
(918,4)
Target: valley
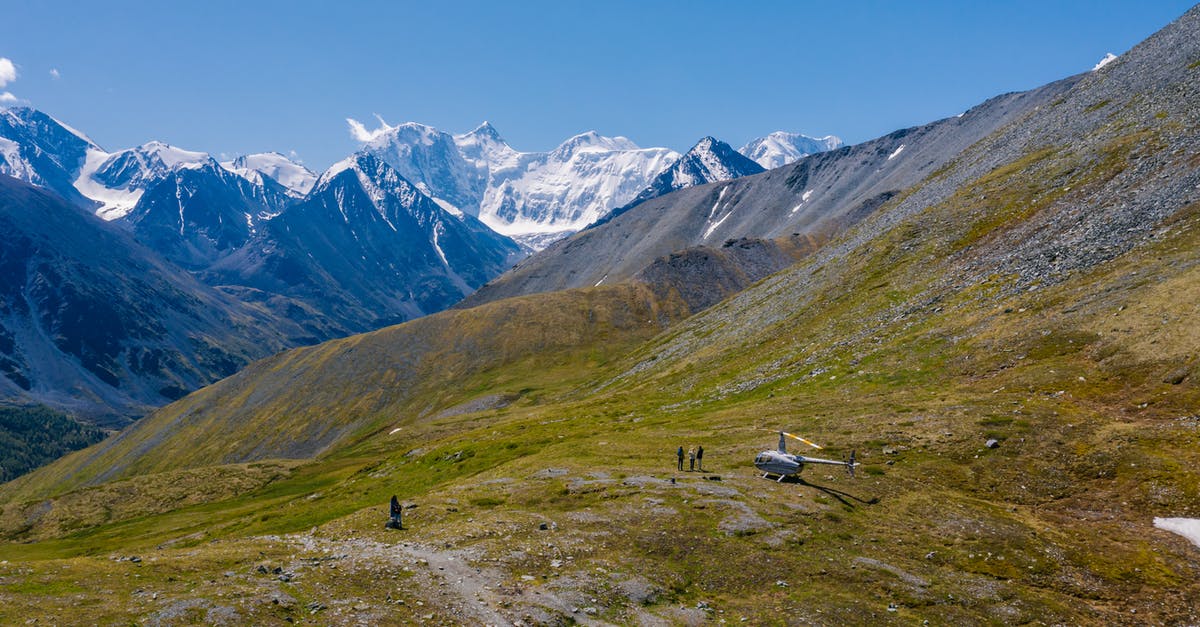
(996,312)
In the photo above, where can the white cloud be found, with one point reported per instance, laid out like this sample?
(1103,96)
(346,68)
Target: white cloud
(54,73)
(8,71)
(360,132)
(7,97)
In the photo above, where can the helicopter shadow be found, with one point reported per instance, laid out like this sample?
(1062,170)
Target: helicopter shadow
(845,498)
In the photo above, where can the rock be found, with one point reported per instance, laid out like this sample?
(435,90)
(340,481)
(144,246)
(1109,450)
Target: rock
(543,526)
(1175,377)
(992,443)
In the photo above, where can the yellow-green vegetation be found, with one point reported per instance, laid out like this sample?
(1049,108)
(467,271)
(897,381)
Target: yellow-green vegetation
(533,444)
(552,496)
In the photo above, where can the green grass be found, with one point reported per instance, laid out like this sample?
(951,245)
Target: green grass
(567,482)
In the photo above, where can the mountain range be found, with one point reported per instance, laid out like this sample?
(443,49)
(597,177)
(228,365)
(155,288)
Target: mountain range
(536,197)
(993,314)
(375,240)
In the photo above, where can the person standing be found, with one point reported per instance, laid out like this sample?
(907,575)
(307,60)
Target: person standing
(680,453)
(691,459)
(700,457)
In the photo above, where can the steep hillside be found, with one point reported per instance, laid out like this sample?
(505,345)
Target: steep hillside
(366,248)
(42,151)
(709,161)
(95,324)
(196,216)
(1008,345)
(302,402)
(818,196)
(703,276)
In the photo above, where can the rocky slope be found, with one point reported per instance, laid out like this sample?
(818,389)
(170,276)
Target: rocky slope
(819,196)
(1006,344)
(367,248)
(709,161)
(94,323)
(40,150)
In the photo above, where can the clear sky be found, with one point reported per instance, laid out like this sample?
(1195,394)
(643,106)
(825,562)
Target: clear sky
(234,77)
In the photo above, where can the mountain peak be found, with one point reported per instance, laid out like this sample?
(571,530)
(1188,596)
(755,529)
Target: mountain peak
(781,148)
(486,130)
(593,141)
(292,175)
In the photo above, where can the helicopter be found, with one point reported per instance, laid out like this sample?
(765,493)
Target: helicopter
(784,464)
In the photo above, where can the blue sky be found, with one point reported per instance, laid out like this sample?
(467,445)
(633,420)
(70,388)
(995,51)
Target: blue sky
(241,77)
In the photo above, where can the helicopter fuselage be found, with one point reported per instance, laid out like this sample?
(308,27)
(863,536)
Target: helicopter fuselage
(782,464)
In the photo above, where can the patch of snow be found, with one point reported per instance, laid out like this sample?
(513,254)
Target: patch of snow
(288,173)
(712,212)
(437,230)
(1108,58)
(173,157)
(16,166)
(450,208)
(1186,527)
(114,203)
(803,199)
(896,153)
(718,223)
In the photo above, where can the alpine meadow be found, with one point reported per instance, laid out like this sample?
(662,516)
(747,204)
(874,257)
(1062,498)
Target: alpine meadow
(997,314)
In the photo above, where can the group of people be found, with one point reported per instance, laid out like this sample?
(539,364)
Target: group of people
(695,456)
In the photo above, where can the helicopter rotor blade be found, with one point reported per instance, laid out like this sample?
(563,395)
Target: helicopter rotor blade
(796,437)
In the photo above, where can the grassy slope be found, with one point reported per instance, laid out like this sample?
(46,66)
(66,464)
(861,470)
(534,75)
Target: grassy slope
(902,348)
(1054,525)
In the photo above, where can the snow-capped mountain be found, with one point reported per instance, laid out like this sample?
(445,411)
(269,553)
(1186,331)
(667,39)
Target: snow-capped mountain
(95,323)
(293,176)
(195,215)
(118,180)
(709,161)
(369,248)
(520,193)
(781,148)
(42,151)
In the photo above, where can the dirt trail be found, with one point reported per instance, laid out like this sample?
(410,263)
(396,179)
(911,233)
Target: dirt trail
(474,594)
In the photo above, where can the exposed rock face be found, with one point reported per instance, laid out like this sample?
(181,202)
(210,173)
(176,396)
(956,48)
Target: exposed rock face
(818,197)
(92,322)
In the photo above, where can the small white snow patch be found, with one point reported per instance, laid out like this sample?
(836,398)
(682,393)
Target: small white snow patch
(1186,527)
(715,225)
(896,153)
(449,207)
(1108,58)
(803,199)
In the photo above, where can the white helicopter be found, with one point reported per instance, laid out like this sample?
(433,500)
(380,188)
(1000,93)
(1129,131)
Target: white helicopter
(785,464)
